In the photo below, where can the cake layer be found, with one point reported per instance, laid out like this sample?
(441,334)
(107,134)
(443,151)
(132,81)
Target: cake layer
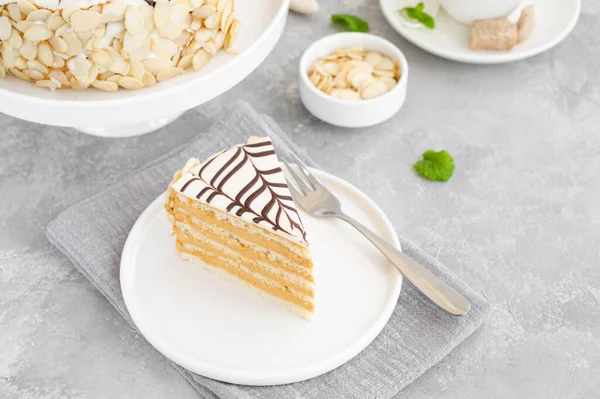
(291,251)
(254,250)
(222,273)
(236,269)
(192,233)
(271,272)
(250,268)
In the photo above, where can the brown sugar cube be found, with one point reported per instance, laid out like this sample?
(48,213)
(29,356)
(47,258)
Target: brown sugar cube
(526,23)
(493,34)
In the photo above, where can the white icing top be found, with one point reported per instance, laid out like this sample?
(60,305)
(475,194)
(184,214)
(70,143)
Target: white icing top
(246,181)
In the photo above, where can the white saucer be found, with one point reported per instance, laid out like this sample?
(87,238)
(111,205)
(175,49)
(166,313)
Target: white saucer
(223,331)
(449,39)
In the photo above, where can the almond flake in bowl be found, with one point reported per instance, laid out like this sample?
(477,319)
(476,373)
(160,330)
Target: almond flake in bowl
(355,74)
(353,79)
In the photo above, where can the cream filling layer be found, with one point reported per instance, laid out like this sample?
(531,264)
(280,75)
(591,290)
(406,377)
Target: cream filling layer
(185,213)
(226,235)
(241,266)
(268,282)
(300,248)
(293,278)
(224,274)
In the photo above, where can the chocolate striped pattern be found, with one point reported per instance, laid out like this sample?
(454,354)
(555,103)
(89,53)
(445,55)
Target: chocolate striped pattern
(246,181)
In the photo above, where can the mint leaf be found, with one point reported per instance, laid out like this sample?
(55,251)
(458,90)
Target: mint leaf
(353,23)
(419,15)
(412,13)
(438,166)
(427,20)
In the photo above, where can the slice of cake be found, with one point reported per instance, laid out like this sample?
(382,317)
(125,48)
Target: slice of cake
(234,215)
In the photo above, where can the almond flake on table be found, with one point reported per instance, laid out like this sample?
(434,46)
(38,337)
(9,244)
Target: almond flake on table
(304,6)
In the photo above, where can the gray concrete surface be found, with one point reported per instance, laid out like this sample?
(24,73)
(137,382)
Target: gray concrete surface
(520,219)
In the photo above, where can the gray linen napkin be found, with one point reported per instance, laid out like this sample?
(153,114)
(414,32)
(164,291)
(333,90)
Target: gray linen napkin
(92,234)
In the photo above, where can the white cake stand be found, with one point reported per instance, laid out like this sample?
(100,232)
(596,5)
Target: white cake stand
(131,113)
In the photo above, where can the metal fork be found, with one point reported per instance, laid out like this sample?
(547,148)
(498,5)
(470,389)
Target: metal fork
(315,199)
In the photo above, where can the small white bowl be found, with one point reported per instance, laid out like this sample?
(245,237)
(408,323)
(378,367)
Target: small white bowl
(352,113)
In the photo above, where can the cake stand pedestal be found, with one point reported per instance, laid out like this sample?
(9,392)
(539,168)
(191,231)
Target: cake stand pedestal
(132,129)
(132,113)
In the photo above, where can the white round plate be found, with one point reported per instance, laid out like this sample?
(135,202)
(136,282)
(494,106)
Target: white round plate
(261,25)
(223,331)
(449,39)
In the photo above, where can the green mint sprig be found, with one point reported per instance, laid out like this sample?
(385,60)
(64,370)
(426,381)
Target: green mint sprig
(419,15)
(436,165)
(352,23)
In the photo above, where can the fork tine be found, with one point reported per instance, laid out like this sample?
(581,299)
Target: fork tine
(296,194)
(298,182)
(314,182)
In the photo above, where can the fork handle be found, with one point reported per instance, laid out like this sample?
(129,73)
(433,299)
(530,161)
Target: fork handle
(435,289)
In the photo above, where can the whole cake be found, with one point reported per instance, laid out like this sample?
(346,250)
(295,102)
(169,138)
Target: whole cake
(111,44)
(234,215)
